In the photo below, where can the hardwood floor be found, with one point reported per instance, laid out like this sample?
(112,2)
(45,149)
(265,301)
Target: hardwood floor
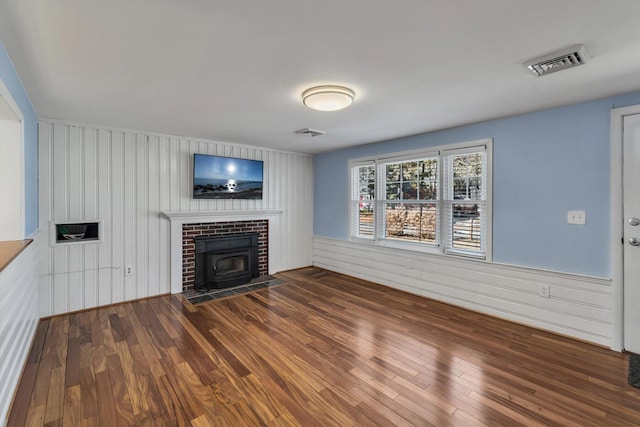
(321,349)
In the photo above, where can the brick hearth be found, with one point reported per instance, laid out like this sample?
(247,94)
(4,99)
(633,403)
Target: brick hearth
(189,231)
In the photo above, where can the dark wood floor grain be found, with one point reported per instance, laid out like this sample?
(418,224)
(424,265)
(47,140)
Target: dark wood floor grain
(321,349)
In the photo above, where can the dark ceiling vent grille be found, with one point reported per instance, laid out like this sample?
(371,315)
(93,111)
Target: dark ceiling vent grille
(309,132)
(557,61)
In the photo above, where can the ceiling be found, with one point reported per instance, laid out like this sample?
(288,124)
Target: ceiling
(234,70)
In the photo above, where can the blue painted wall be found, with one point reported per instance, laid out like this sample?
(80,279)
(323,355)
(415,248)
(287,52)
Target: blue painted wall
(544,164)
(12,82)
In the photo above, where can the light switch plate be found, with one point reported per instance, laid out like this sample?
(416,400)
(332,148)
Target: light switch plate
(577,217)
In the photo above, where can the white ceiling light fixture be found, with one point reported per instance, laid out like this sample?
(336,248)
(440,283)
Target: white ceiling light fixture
(328,98)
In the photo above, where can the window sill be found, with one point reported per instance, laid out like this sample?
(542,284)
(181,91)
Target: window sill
(10,250)
(418,248)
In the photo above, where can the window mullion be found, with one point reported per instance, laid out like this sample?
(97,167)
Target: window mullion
(379,214)
(449,172)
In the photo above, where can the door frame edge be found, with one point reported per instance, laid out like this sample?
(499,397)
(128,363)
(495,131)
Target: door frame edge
(617,247)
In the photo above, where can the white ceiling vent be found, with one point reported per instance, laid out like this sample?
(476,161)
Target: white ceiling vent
(309,132)
(557,61)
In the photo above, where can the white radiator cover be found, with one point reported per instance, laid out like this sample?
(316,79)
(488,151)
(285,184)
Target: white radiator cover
(578,306)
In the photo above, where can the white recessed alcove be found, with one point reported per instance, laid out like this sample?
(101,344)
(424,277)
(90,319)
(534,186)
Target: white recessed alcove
(76,232)
(12,226)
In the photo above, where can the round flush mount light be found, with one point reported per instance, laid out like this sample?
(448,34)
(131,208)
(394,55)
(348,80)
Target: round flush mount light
(328,98)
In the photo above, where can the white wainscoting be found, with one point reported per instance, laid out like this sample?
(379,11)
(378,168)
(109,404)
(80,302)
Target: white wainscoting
(578,306)
(126,179)
(18,319)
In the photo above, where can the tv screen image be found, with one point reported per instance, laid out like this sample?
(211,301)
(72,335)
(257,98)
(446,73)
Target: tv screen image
(216,177)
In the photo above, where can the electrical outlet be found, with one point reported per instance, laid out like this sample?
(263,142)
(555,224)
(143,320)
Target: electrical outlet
(544,291)
(128,270)
(577,217)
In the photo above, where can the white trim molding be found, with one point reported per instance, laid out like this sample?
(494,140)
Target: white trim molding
(576,306)
(179,218)
(617,268)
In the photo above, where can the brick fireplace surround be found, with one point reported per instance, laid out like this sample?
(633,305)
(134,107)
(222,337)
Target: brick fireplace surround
(269,253)
(189,231)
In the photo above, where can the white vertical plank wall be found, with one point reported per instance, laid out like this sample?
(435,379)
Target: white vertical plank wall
(18,320)
(125,179)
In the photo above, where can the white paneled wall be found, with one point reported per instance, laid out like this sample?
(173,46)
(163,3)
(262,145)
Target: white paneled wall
(18,319)
(577,306)
(126,179)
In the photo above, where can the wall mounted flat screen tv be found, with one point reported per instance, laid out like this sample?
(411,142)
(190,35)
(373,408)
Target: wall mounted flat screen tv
(216,177)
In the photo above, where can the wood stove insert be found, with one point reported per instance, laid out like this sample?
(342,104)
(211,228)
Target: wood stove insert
(225,261)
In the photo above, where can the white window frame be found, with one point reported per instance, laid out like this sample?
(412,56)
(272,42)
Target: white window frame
(353,202)
(441,245)
(381,201)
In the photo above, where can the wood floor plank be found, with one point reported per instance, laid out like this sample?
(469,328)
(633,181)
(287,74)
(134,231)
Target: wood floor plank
(55,399)
(71,415)
(105,399)
(387,408)
(23,395)
(173,401)
(34,417)
(88,399)
(137,396)
(122,402)
(321,349)
(46,364)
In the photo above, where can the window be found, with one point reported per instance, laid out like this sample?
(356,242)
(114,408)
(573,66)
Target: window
(363,199)
(410,200)
(434,201)
(464,200)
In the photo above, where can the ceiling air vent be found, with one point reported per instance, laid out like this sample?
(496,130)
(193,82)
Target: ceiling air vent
(557,61)
(309,132)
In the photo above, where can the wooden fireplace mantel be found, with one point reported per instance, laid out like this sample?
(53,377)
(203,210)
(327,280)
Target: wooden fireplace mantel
(178,218)
(190,217)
